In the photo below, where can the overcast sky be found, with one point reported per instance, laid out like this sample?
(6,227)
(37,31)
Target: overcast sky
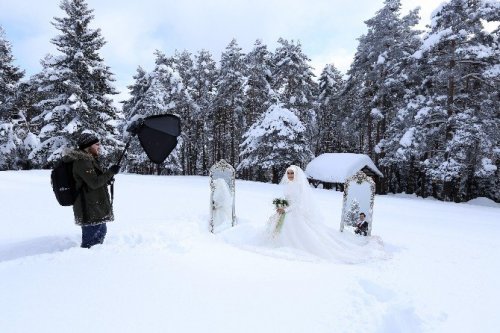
(134,29)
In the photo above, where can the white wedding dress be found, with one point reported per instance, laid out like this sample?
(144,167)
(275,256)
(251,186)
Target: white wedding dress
(222,205)
(303,228)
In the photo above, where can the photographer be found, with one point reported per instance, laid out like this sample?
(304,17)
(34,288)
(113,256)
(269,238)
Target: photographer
(93,207)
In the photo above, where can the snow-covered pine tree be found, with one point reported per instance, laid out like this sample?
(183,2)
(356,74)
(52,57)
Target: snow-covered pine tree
(488,180)
(10,76)
(229,121)
(11,126)
(329,131)
(158,92)
(24,128)
(401,77)
(352,214)
(78,86)
(376,77)
(202,91)
(351,104)
(136,92)
(293,82)
(274,142)
(258,92)
(135,157)
(184,65)
(457,114)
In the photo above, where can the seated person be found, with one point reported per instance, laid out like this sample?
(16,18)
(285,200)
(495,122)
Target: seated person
(361,225)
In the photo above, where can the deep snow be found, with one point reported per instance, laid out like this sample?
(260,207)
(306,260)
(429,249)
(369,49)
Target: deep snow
(159,269)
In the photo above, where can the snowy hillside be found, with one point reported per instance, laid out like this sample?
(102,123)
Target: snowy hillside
(159,269)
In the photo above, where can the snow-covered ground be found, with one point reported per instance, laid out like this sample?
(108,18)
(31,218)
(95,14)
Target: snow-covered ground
(159,269)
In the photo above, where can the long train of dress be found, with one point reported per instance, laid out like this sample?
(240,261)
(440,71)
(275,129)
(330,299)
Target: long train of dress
(300,237)
(324,242)
(303,229)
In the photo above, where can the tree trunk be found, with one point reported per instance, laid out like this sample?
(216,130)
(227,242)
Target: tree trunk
(275,175)
(448,184)
(369,125)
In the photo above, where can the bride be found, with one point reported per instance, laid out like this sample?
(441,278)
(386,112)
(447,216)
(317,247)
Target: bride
(302,228)
(222,204)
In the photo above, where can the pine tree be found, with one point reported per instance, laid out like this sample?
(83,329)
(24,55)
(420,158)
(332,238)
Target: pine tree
(351,103)
(184,65)
(274,142)
(136,92)
(10,76)
(11,127)
(202,91)
(24,129)
(158,92)
(132,110)
(258,92)
(77,84)
(457,115)
(352,214)
(229,120)
(329,131)
(401,79)
(293,82)
(377,78)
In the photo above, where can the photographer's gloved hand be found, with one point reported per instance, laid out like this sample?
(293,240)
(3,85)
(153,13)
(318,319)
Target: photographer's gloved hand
(114,168)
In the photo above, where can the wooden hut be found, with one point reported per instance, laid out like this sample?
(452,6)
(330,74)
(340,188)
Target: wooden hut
(332,169)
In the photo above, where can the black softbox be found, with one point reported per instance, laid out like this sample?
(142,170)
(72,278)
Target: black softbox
(157,135)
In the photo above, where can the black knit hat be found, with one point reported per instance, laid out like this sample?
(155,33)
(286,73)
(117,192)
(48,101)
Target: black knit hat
(86,140)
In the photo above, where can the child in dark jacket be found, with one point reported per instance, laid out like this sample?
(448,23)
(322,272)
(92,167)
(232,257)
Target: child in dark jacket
(361,225)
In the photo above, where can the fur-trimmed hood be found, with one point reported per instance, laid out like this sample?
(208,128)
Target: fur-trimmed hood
(75,155)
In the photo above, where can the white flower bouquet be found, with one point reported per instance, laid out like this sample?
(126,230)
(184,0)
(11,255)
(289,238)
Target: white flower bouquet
(276,221)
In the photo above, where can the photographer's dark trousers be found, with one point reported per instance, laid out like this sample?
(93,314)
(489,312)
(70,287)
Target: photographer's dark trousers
(93,235)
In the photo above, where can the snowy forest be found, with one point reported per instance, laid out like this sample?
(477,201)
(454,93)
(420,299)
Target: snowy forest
(424,105)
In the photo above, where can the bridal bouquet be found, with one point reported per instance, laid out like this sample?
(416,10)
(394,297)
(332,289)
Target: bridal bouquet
(280,203)
(277,225)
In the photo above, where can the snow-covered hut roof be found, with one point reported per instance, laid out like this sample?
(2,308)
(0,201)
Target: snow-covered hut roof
(337,167)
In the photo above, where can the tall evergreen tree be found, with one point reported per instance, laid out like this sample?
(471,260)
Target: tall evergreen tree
(377,76)
(293,82)
(351,103)
(136,91)
(11,129)
(202,92)
(457,114)
(258,92)
(229,120)
(274,142)
(184,65)
(10,76)
(24,129)
(158,92)
(132,110)
(78,85)
(329,130)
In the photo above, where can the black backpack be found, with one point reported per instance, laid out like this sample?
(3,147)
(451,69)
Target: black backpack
(63,183)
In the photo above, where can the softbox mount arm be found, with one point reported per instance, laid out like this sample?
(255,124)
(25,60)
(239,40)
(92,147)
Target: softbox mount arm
(124,150)
(133,129)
